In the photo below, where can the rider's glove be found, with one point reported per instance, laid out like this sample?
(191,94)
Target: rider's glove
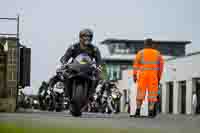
(99,68)
(94,65)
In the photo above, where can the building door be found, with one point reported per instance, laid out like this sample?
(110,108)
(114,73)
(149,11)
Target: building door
(171,97)
(183,96)
(198,95)
(2,75)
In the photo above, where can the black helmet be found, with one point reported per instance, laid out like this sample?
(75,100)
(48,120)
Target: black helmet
(86,32)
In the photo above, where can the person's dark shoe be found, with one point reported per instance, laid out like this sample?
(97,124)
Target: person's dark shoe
(152,114)
(137,114)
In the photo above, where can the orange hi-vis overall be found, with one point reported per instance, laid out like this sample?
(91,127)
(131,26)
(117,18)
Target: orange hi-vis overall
(148,68)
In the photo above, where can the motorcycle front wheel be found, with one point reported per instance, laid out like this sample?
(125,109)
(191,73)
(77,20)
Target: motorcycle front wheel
(79,95)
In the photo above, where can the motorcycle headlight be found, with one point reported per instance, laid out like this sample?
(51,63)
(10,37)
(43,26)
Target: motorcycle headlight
(48,92)
(65,102)
(35,102)
(114,95)
(95,96)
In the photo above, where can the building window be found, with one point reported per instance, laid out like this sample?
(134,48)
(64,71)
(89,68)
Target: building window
(2,59)
(14,76)
(12,56)
(121,48)
(113,72)
(10,76)
(12,92)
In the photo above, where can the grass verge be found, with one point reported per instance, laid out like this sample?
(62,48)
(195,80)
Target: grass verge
(6,127)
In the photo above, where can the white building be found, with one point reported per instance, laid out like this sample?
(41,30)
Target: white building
(180,79)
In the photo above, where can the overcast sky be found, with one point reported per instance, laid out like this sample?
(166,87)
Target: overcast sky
(49,26)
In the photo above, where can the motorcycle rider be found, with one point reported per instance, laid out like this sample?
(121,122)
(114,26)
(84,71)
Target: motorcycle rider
(83,46)
(44,86)
(41,95)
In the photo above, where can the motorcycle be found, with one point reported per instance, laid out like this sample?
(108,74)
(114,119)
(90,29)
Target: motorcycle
(80,77)
(66,103)
(43,95)
(53,98)
(24,101)
(49,100)
(115,99)
(35,104)
(59,95)
(20,99)
(106,98)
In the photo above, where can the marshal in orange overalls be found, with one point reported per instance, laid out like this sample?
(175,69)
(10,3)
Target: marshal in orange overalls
(148,68)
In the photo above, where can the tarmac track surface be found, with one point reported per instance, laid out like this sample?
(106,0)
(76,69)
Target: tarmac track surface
(122,120)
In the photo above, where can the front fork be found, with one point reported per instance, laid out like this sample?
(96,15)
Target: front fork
(110,104)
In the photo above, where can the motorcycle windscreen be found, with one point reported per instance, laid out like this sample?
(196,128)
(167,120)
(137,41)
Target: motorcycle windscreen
(83,58)
(81,62)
